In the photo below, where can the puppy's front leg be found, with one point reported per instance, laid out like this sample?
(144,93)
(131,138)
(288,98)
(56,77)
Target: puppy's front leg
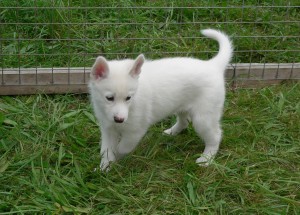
(108,147)
(129,141)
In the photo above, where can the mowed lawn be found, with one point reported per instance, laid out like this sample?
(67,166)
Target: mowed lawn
(49,150)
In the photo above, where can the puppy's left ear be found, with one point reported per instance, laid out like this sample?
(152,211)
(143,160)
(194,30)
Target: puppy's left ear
(136,69)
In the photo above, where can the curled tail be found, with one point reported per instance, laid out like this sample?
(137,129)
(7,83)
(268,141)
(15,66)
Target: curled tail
(225,47)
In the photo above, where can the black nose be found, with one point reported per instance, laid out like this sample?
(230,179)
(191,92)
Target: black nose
(118,119)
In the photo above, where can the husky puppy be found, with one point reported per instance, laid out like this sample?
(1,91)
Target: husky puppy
(128,96)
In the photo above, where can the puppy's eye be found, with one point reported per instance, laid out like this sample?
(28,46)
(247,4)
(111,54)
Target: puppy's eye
(128,98)
(110,98)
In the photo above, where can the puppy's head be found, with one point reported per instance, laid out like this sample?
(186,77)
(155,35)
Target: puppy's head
(113,85)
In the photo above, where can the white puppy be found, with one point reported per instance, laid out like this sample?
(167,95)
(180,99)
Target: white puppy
(128,96)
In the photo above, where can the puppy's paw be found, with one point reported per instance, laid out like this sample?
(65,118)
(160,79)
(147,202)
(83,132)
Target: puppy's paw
(104,166)
(204,160)
(168,131)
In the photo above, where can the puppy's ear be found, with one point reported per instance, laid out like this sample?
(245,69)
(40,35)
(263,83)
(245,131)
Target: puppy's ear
(100,69)
(136,69)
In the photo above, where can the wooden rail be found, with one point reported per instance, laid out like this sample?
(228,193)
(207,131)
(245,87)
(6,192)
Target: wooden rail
(24,81)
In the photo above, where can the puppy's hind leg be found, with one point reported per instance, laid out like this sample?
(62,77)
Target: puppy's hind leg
(208,127)
(182,123)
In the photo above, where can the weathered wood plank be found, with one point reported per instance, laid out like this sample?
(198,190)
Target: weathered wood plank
(74,80)
(44,76)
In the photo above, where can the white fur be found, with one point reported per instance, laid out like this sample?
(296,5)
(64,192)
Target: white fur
(190,88)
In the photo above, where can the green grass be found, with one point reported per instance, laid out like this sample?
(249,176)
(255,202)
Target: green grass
(77,44)
(49,149)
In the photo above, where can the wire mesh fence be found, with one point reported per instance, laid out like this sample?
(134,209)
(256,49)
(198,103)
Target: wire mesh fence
(50,45)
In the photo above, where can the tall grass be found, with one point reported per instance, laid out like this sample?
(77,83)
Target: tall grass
(63,37)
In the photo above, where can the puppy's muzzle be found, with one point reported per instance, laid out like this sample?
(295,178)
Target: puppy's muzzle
(118,119)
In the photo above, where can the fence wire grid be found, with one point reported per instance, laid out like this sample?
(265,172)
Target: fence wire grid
(55,42)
